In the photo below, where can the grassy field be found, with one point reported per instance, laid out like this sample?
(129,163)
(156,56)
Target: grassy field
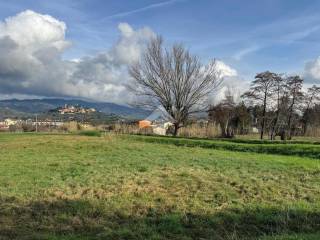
(134,187)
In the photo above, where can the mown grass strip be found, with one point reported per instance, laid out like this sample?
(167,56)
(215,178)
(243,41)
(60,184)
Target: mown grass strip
(302,150)
(90,133)
(257,141)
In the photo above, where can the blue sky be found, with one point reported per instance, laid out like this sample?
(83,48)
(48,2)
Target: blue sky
(250,36)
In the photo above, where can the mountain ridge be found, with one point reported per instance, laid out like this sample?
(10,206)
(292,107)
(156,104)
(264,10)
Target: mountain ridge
(35,106)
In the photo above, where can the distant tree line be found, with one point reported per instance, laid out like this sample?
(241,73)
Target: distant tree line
(275,104)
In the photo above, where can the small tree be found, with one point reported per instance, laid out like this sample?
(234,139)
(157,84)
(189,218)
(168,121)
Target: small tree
(314,121)
(312,97)
(278,91)
(242,118)
(295,96)
(174,79)
(260,91)
(224,114)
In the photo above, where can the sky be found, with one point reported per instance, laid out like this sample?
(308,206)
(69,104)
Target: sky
(82,48)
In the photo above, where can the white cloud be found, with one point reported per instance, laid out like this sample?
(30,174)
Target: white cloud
(34,31)
(31,48)
(245,51)
(149,7)
(312,71)
(231,81)
(224,70)
(130,45)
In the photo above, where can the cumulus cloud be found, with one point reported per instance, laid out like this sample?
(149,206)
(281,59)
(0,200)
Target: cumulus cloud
(104,76)
(225,71)
(34,31)
(231,82)
(130,45)
(312,71)
(31,49)
(31,46)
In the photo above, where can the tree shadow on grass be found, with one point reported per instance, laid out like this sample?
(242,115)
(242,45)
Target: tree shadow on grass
(81,219)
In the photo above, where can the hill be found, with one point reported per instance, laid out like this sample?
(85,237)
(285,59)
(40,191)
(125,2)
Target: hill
(29,107)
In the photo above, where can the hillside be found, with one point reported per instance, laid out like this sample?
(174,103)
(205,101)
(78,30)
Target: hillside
(15,107)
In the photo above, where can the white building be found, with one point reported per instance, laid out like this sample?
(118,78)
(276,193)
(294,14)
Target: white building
(160,121)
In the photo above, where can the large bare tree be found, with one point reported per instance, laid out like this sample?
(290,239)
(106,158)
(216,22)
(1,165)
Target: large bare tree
(175,79)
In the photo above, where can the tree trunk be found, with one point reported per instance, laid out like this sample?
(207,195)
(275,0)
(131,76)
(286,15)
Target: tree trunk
(305,127)
(263,116)
(305,123)
(288,135)
(290,117)
(273,130)
(226,132)
(176,128)
(289,128)
(283,135)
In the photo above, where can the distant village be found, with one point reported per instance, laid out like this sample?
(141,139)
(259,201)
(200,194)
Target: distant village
(73,118)
(69,118)
(70,109)
(10,124)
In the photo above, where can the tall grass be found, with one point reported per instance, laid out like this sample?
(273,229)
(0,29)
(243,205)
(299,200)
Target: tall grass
(195,130)
(124,128)
(313,132)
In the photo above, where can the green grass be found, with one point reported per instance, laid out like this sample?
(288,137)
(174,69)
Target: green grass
(90,133)
(294,237)
(294,148)
(130,187)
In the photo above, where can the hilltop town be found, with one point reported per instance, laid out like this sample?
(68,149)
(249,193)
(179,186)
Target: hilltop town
(57,119)
(70,109)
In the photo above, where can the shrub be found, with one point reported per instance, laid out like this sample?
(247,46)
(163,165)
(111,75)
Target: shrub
(90,133)
(15,128)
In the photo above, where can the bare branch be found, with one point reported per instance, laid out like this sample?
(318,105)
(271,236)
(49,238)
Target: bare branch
(174,79)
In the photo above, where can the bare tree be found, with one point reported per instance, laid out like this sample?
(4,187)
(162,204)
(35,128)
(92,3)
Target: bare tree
(174,79)
(295,96)
(224,114)
(278,92)
(261,91)
(312,97)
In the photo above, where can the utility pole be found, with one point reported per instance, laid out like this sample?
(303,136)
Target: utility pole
(36,122)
